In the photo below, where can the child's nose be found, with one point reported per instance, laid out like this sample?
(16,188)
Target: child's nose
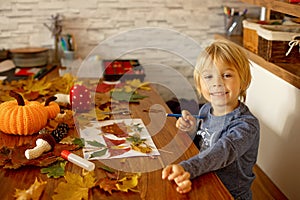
(218,82)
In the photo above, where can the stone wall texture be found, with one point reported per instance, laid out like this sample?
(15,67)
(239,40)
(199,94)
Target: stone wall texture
(165,35)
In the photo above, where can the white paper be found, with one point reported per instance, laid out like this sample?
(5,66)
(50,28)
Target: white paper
(94,133)
(6,65)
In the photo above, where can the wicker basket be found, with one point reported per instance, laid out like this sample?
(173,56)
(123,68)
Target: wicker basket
(273,43)
(250,37)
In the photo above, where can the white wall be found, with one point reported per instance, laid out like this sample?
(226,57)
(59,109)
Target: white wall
(277,105)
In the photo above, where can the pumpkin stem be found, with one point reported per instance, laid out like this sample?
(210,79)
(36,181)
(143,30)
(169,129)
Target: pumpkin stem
(18,97)
(48,100)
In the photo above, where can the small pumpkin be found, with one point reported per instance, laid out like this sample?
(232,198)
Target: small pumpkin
(52,107)
(22,117)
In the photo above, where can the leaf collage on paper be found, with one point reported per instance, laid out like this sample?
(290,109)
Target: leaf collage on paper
(139,144)
(117,141)
(114,147)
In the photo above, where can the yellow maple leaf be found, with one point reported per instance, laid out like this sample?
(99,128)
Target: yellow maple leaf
(128,183)
(63,84)
(40,86)
(136,83)
(76,186)
(33,192)
(102,114)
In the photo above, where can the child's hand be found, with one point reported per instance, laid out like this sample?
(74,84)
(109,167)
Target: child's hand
(187,122)
(180,176)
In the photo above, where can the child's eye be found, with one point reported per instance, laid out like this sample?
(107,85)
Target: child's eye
(227,75)
(207,76)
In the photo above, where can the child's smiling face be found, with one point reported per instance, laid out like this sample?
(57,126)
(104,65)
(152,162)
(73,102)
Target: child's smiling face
(221,85)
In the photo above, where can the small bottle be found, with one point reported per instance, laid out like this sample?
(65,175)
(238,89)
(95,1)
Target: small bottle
(77,160)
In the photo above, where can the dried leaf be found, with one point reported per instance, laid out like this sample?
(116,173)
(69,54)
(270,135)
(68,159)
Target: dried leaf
(108,185)
(118,150)
(132,97)
(95,144)
(98,153)
(56,170)
(139,144)
(76,187)
(72,140)
(100,115)
(33,193)
(143,148)
(40,86)
(136,83)
(128,183)
(117,129)
(112,142)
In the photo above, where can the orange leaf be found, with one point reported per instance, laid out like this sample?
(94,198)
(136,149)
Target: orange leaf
(108,185)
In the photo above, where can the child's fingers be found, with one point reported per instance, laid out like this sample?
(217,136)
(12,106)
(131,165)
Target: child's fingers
(184,186)
(183,125)
(166,171)
(183,177)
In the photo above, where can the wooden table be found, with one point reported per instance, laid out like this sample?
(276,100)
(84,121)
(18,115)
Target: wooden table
(174,146)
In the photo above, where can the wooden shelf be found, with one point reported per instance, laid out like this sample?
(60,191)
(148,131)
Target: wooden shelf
(282,6)
(288,72)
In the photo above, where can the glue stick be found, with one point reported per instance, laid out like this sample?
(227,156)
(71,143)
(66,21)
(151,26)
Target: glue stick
(77,160)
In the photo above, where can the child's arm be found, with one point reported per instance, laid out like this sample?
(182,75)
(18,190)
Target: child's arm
(180,176)
(187,122)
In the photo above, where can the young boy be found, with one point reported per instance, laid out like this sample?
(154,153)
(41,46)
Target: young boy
(228,132)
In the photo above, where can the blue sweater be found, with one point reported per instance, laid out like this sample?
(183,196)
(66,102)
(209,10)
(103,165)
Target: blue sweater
(229,146)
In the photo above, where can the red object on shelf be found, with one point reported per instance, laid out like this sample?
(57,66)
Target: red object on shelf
(115,70)
(294,1)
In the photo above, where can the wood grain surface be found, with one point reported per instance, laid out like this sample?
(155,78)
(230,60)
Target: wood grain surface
(173,145)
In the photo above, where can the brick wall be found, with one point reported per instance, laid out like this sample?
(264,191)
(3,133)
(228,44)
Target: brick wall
(185,27)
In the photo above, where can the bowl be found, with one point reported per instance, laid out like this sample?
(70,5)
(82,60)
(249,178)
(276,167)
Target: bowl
(29,56)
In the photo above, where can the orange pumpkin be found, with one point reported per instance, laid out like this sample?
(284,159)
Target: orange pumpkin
(52,107)
(22,117)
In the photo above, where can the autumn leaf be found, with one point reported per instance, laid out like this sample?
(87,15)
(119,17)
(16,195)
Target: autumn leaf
(79,142)
(56,170)
(128,183)
(100,115)
(76,187)
(108,185)
(139,144)
(143,148)
(33,192)
(118,150)
(132,97)
(136,83)
(40,86)
(63,84)
(95,143)
(98,153)
(73,140)
(112,142)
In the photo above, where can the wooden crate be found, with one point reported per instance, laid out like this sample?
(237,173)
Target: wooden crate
(273,43)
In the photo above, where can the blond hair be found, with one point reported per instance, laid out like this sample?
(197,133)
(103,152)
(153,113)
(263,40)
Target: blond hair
(221,51)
